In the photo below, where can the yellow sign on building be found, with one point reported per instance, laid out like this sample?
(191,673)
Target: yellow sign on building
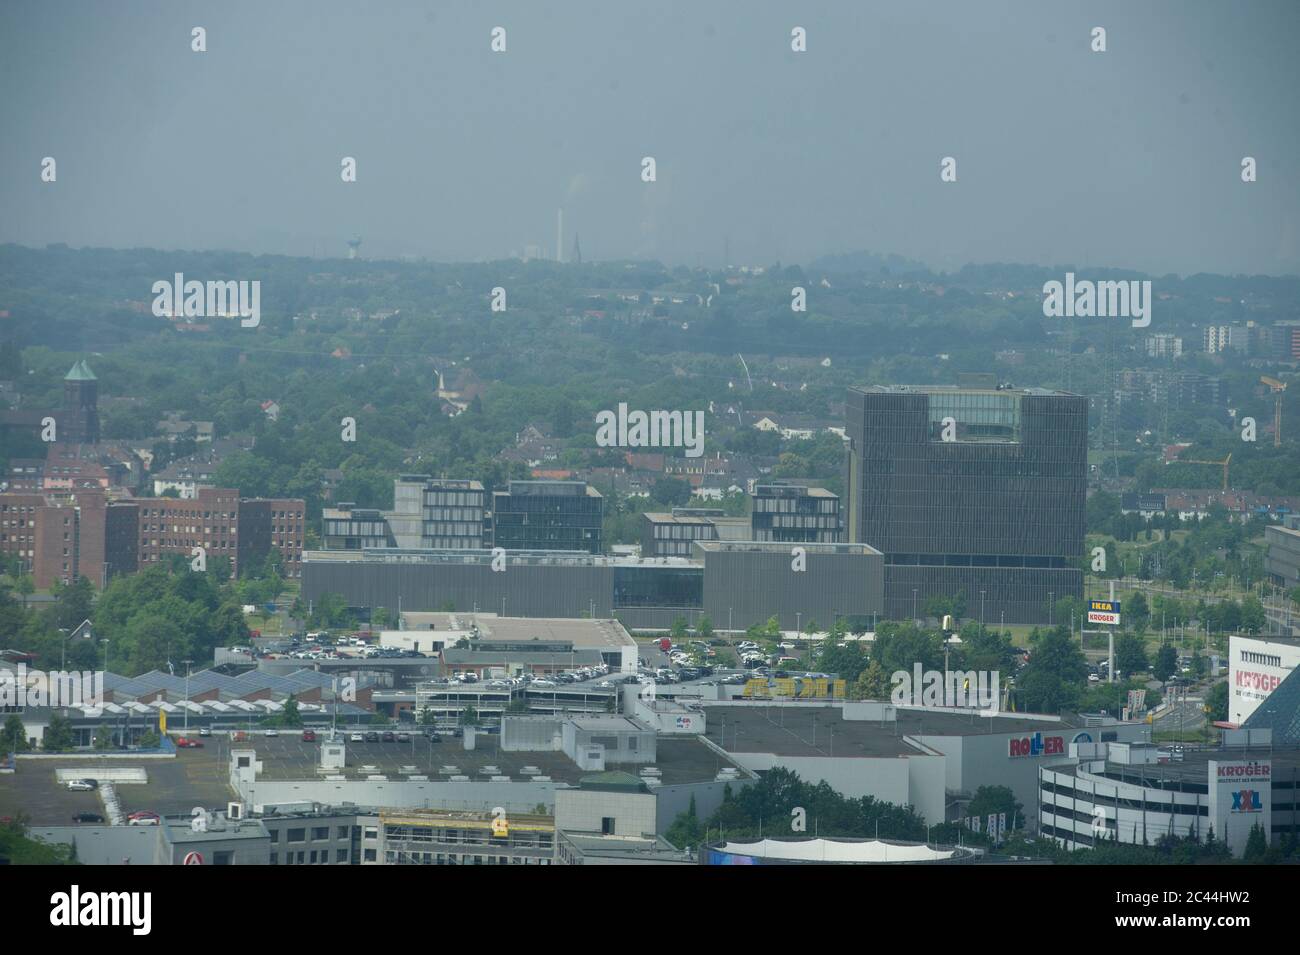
(783,686)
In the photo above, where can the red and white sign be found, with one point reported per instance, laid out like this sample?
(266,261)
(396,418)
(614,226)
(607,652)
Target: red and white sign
(1036,745)
(1245,770)
(1258,681)
(193,858)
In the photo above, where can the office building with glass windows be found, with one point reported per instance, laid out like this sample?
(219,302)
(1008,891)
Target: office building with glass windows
(977,492)
(794,513)
(548,515)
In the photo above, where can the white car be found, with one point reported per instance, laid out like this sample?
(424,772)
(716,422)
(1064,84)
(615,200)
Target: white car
(272,733)
(357,738)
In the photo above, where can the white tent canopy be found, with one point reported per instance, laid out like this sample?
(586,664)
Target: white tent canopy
(830,850)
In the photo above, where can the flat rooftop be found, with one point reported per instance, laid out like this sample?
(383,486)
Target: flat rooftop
(581,632)
(781,547)
(195,777)
(1194,767)
(682,760)
(957,390)
(822,730)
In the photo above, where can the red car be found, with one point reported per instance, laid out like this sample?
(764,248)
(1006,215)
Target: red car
(185,742)
(309,736)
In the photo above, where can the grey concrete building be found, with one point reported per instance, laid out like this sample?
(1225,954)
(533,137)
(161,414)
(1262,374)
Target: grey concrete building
(737,583)
(1282,560)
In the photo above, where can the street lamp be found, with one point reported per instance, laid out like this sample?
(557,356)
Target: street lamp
(187,695)
(913,604)
(981,610)
(1050,595)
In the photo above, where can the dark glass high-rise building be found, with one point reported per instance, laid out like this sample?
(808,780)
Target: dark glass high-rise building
(979,491)
(548,515)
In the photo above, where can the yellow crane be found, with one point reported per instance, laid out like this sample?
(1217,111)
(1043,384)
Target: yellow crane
(1223,464)
(1278,388)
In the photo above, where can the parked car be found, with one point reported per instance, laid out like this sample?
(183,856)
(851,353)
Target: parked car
(372,737)
(356,738)
(144,818)
(87,817)
(403,737)
(81,785)
(204,731)
(239,736)
(272,733)
(389,736)
(309,736)
(187,742)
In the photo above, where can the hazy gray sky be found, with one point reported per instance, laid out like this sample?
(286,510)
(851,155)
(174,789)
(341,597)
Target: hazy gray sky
(1128,158)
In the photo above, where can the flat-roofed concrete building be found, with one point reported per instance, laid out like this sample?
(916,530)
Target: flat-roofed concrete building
(736,583)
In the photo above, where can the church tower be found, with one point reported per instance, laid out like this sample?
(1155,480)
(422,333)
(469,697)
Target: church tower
(79,422)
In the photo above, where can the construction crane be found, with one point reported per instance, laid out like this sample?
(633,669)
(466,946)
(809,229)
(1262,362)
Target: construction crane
(1278,388)
(1223,464)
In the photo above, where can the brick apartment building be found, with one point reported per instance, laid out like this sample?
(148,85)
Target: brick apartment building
(85,534)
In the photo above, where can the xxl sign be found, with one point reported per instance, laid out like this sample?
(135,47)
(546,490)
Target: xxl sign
(1036,745)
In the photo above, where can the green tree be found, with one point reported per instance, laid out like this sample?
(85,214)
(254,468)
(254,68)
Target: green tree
(469,716)
(1253,619)
(1256,845)
(1131,655)
(58,735)
(1216,702)
(1137,611)
(290,714)
(872,683)
(685,832)
(13,738)
(997,799)
(1166,662)
(704,628)
(103,737)
(1053,680)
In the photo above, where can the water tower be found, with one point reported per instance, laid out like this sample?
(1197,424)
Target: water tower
(354,244)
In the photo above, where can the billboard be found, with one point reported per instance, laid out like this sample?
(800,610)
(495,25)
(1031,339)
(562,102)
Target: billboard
(1036,745)
(1241,797)
(1104,611)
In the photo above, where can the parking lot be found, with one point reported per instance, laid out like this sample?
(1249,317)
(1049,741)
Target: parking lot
(193,778)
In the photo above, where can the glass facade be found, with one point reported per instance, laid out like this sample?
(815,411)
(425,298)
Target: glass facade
(658,587)
(795,514)
(548,515)
(990,501)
